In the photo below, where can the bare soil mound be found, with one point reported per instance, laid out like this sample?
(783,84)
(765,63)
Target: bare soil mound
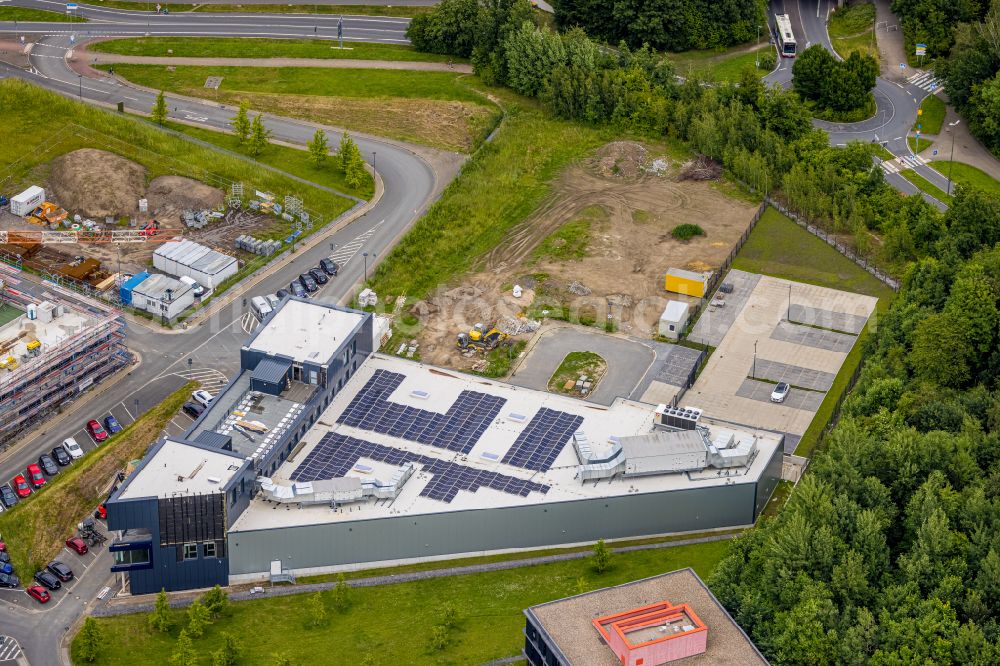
(175,194)
(620,159)
(96,183)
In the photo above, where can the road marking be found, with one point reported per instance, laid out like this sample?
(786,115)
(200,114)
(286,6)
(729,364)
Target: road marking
(248,323)
(9,649)
(348,251)
(104,592)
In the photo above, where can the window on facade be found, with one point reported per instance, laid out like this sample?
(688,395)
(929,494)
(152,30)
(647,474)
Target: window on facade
(671,327)
(190,551)
(137,556)
(209,549)
(232,496)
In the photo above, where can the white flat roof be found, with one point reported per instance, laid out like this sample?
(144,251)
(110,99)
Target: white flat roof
(442,388)
(181,469)
(305,331)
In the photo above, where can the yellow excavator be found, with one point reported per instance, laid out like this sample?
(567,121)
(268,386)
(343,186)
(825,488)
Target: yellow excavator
(479,338)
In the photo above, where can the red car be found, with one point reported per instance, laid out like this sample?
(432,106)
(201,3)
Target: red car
(96,430)
(35,476)
(21,486)
(39,593)
(102,512)
(3,547)
(77,545)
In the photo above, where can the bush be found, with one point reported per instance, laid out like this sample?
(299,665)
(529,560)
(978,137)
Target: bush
(768,60)
(686,232)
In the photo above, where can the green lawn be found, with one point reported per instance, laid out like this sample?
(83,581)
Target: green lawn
(931,117)
(967,175)
(925,185)
(573,366)
(394,622)
(719,66)
(572,239)
(921,147)
(9,313)
(850,30)
(346,10)
(26,14)
(264,48)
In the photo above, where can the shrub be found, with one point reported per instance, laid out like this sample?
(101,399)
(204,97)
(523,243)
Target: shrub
(686,232)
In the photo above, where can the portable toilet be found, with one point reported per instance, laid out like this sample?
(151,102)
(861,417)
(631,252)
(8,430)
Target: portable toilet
(674,319)
(688,283)
(130,284)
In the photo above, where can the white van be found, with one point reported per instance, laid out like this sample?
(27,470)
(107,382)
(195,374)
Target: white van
(198,290)
(260,307)
(273,301)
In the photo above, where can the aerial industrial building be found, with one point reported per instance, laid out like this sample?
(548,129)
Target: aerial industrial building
(321,455)
(51,350)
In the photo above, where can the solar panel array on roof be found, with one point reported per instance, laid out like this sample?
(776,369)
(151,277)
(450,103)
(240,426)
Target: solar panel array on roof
(458,429)
(540,443)
(335,455)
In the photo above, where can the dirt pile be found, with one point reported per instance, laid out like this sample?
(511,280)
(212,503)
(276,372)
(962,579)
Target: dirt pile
(620,159)
(95,183)
(701,168)
(172,195)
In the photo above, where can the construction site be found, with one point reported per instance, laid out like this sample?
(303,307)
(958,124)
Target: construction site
(51,349)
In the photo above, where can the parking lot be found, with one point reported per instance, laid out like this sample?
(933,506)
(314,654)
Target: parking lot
(775,331)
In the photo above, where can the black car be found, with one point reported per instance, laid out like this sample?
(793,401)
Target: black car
(308,282)
(329,267)
(9,580)
(298,289)
(319,276)
(7,496)
(48,580)
(282,293)
(60,571)
(48,465)
(193,409)
(60,456)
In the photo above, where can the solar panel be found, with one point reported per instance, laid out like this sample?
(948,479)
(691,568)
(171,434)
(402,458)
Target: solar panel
(541,442)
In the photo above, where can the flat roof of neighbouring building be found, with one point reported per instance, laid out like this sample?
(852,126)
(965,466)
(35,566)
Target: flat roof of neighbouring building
(569,622)
(304,331)
(157,285)
(675,311)
(177,468)
(196,256)
(432,389)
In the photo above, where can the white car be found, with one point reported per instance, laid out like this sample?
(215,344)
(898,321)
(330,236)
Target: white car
(202,397)
(780,392)
(72,448)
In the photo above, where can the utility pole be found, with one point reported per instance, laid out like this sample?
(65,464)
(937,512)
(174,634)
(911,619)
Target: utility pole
(753,373)
(757,52)
(951,160)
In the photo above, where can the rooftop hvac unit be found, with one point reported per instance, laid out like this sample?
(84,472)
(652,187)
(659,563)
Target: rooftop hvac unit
(682,418)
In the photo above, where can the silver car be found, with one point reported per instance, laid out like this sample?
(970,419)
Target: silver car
(780,392)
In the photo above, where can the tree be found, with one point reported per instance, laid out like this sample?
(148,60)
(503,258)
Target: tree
(315,611)
(184,653)
(601,559)
(90,641)
(160,619)
(531,55)
(450,29)
(449,616)
(341,594)
(229,653)
(318,148)
(198,619)
(350,161)
(159,113)
(259,136)
(216,601)
(812,71)
(241,123)
(439,638)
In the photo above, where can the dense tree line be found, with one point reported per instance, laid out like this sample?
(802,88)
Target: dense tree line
(670,25)
(932,22)
(839,85)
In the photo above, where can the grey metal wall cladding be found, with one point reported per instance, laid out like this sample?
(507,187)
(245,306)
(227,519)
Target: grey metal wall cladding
(492,529)
(768,481)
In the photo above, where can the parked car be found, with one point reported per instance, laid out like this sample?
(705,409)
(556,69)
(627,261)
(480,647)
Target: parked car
(780,392)
(48,465)
(3,546)
(297,289)
(9,580)
(35,476)
(7,495)
(21,486)
(318,275)
(39,594)
(4,556)
(282,293)
(96,431)
(329,266)
(77,545)
(272,300)
(193,409)
(111,424)
(202,397)
(308,283)
(60,456)
(101,512)
(47,579)
(60,571)
(6,568)
(72,448)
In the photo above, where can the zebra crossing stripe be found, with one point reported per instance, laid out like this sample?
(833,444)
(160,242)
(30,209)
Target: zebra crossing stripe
(9,649)
(888,167)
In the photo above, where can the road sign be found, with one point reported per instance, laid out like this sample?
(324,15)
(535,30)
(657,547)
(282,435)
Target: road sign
(934,152)
(919,126)
(920,112)
(902,65)
(921,49)
(71,5)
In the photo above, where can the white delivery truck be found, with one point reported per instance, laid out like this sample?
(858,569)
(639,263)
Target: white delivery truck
(261,308)
(27,201)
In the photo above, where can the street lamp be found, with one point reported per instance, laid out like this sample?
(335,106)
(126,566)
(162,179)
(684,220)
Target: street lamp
(757,52)
(80,76)
(373,164)
(753,373)
(951,160)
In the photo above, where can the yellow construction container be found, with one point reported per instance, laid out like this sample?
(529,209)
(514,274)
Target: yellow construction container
(688,283)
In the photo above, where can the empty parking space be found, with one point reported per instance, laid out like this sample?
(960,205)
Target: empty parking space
(80,564)
(806,378)
(813,337)
(836,321)
(679,364)
(717,319)
(797,398)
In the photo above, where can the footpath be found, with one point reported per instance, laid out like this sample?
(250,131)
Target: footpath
(93,58)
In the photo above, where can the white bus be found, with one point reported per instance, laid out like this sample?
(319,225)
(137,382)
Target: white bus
(783,33)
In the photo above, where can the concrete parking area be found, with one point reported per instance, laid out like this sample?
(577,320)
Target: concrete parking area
(783,331)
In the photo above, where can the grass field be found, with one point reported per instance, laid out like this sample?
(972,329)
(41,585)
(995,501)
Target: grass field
(8,313)
(967,175)
(264,48)
(27,14)
(925,185)
(346,10)
(502,184)
(393,622)
(931,118)
(781,248)
(851,28)
(719,65)
(924,144)
(433,108)
(40,125)
(37,526)
(573,366)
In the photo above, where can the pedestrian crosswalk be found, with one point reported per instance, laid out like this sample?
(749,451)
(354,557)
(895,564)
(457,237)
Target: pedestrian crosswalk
(9,649)
(925,81)
(900,163)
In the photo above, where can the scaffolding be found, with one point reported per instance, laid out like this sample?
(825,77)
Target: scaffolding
(46,383)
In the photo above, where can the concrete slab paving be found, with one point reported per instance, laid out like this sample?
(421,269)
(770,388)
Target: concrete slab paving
(813,337)
(678,363)
(836,321)
(797,398)
(715,321)
(808,378)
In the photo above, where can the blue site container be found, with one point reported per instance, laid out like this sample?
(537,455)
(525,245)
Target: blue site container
(130,284)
